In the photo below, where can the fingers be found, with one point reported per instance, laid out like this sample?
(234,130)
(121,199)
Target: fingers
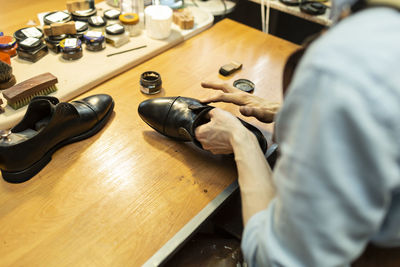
(234,98)
(226,88)
(258,113)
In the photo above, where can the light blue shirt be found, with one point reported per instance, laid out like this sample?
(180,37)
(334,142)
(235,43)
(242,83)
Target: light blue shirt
(338,177)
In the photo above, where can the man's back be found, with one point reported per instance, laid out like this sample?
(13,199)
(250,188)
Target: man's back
(339,174)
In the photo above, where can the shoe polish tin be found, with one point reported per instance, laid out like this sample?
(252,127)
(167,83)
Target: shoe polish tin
(116,35)
(32,49)
(244,85)
(71,48)
(24,33)
(57,17)
(150,83)
(53,42)
(95,41)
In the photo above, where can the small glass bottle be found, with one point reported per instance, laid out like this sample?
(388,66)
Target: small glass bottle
(134,6)
(131,23)
(8,45)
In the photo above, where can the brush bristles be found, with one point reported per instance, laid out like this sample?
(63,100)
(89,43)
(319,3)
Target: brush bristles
(5,72)
(25,101)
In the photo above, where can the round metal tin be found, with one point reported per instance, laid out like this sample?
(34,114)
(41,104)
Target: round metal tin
(244,85)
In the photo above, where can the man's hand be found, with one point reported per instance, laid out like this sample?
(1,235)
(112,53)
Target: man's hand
(217,135)
(250,105)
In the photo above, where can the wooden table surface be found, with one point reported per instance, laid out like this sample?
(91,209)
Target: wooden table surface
(116,198)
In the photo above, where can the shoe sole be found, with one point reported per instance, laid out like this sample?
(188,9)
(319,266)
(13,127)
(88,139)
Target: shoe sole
(28,173)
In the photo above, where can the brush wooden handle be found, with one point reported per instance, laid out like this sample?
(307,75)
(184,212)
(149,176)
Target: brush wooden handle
(30,87)
(60,28)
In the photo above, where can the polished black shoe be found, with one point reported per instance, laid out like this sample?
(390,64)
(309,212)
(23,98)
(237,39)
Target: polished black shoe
(178,117)
(47,126)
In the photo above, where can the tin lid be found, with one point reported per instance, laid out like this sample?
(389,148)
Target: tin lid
(129,18)
(70,44)
(97,21)
(112,14)
(83,15)
(7,41)
(244,85)
(93,36)
(24,33)
(57,16)
(81,26)
(115,29)
(30,43)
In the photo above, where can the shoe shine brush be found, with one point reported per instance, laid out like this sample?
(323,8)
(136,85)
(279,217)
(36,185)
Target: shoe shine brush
(21,94)
(7,79)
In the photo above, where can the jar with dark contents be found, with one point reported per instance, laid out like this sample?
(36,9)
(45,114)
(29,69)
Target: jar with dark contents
(53,42)
(83,15)
(24,33)
(112,16)
(57,17)
(32,49)
(8,45)
(116,35)
(95,41)
(71,48)
(97,23)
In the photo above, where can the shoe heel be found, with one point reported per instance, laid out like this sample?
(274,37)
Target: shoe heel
(26,174)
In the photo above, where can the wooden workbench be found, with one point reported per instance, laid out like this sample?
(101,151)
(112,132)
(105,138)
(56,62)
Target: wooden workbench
(117,198)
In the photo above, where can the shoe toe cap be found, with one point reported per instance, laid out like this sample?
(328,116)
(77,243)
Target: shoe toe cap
(101,104)
(155,111)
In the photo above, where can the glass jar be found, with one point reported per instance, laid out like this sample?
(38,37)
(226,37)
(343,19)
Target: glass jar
(131,23)
(8,45)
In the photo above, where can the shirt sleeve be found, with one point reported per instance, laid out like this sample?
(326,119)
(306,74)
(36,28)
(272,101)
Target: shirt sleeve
(332,181)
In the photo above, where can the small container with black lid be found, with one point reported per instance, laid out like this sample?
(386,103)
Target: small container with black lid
(24,33)
(32,49)
(116,35)
(94,40)
(71,48)
(8,45)
(53,42)
(112,16)
(57,17)
(97,23)
(81,28)
(83,15)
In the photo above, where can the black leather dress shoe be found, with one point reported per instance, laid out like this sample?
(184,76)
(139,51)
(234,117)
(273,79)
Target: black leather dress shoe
(178,117)
(47,126)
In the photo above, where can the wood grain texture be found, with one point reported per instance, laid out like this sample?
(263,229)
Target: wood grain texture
(116,198)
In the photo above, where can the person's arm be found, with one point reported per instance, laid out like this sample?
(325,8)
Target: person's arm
(254,174)
(225,134)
